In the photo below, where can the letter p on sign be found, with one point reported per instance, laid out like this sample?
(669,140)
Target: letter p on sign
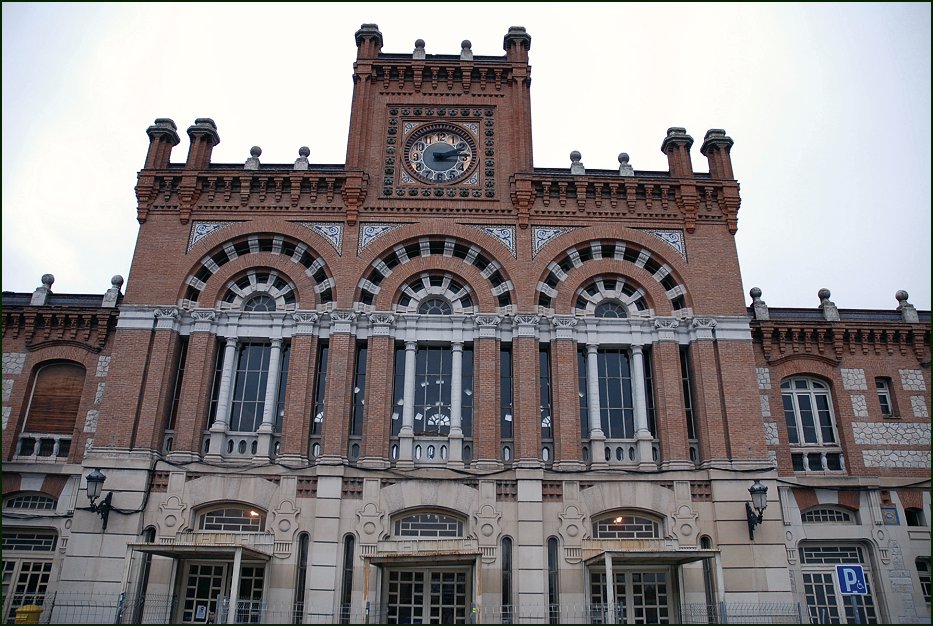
(851,580)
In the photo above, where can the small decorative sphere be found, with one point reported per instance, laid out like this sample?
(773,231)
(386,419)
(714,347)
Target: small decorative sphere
(755,292)
(255,151)
(623,158)
(824,293)
(466,44)
(117,281)
(419,43)
(304,151)
(47,280)
(575,156)
(901,295)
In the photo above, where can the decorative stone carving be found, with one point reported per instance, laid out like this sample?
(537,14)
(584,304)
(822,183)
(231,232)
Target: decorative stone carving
(330,231)
(103,366)
(859,406)
(912,380)
(13,362)
(6,416)
(173,516)
(830,312)
(625,168)
(563,326)
(911,459)
(759,306)
(99,396)
(526,325)
(252,163)
(765,406)
(763,374)
(284,521)
(673,238)
(505,234)
(576,167)
(7,390)
(888,433)
(684,527)
(488,530)
(370,232)
(200,230)
(542,235)
(342,321)
(666,323)
(853,379)
(203,315)
(171,313)
(704,322)
(381,323)
(919,406)
(301,163)
(371,525)
(573,530)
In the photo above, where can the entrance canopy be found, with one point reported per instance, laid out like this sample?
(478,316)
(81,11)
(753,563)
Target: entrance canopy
(654,557)
(203,552)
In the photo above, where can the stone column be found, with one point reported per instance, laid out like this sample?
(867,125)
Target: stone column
(597,437)
(264,447)
(219,427)
(642,433)
(455,441)
(406,435)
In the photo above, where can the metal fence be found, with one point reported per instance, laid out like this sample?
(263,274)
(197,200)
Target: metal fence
(79,608)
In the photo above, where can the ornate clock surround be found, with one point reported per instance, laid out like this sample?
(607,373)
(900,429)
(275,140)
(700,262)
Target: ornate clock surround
(476,122)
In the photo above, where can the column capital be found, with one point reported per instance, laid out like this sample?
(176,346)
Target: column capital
(667,328)
(203,319)
(487,325)
(563,326)
(342,321)
(381,323)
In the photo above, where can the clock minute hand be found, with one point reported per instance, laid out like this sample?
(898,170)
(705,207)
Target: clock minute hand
(448,153)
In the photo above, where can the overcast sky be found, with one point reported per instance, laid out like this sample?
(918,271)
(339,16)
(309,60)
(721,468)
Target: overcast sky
(829,107)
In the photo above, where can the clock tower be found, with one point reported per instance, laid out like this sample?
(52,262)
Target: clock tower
(438,128)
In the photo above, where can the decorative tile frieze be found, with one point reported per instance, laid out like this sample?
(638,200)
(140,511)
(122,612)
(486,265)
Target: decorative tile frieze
(912,380)
(200,230)
(764,377)
(853,379)
(890,434)
(13,362)
(505,234)
(103,366)
(907,459)
(90,422)
(7,390)
(765,406)
(330,231)
(370,232)
(771,433)
(542,235)
(919,405)
(673,238)
(859,406)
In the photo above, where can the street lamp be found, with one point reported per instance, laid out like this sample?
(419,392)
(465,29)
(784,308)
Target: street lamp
(95,484)
(759,503)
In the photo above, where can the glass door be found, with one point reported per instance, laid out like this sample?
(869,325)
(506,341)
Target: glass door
(641,597)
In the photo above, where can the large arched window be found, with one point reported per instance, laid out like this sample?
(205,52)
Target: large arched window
(622,525)
(808,413)
(53,411)
(236,518)
(428,525)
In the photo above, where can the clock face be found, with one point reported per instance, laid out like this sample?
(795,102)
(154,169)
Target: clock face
(440,153)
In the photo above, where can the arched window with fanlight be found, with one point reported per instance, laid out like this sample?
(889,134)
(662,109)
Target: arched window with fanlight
(626,525)
(811,426)
(52,412)
(232,518)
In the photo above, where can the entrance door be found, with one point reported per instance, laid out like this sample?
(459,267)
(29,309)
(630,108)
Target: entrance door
(427,596)
(641,597)
(206,583)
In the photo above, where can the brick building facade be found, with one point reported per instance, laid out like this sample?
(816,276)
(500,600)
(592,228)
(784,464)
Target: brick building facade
(436,383)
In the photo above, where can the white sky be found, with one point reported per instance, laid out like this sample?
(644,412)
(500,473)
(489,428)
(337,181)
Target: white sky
(829,107)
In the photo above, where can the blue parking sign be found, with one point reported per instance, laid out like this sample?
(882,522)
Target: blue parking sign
(851,580)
